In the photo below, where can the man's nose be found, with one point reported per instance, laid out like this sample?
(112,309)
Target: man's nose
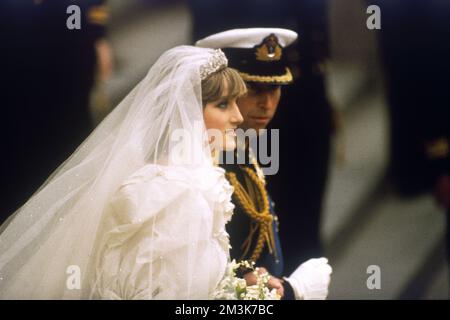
(264,100)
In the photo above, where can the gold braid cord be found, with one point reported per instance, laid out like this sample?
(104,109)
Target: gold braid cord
(263,218)
(285,78)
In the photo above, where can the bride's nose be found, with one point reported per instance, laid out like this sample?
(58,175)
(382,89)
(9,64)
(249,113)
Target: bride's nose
(236,116)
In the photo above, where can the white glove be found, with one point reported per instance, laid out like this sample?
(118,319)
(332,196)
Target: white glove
(311,280)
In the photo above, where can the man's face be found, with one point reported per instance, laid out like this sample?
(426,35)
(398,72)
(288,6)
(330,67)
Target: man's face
(259,105)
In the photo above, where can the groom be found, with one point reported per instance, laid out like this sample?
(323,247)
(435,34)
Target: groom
(259,56)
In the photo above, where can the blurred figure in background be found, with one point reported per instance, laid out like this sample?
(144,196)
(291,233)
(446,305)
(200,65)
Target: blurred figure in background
(305,118)
(48,75)
(416,50)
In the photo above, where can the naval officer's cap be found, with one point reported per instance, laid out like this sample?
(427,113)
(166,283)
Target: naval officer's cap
(257,53)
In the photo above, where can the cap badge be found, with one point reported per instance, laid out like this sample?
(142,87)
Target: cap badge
(269,49)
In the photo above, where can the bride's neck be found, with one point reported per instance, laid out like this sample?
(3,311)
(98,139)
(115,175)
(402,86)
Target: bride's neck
(215,155)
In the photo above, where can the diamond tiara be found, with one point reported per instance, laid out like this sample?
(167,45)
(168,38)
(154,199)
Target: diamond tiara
(217,61)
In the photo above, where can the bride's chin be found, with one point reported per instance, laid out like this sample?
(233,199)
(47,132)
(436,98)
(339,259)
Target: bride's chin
(229,145)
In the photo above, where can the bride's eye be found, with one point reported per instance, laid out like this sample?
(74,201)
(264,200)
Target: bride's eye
(222,104)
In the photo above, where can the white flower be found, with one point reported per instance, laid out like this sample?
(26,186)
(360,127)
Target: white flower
(233,288)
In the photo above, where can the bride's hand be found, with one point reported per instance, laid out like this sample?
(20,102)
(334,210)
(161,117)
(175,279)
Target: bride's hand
(274,283)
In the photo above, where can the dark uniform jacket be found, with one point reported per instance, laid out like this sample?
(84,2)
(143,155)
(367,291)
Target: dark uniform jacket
(244,230)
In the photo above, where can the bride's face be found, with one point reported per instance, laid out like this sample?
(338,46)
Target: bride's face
(222,117)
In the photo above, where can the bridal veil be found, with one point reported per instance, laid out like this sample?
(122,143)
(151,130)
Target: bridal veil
(60,227)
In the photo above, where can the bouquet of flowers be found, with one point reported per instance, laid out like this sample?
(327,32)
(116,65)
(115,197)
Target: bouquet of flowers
(231,287)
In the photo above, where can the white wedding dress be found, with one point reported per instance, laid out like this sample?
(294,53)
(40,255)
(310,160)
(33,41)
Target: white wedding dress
(145,232)
(138,214)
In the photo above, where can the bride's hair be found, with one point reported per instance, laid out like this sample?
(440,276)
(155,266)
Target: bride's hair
(226,79)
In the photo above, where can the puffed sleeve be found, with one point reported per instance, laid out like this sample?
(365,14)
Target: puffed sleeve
(159,242)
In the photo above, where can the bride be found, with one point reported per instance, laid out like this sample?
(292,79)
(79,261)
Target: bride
(139,209)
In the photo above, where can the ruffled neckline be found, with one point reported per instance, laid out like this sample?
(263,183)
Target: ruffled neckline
(223,191)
